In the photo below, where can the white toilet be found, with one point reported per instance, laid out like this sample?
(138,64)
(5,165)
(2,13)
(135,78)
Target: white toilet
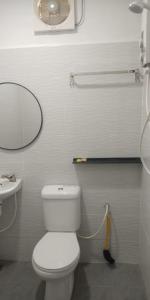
(56,255)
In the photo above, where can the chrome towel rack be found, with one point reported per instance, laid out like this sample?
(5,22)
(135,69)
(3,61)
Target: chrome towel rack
(74,76)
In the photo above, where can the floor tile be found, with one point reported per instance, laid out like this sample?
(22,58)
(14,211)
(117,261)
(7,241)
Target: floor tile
(124,275)
(108,293)
(18,281)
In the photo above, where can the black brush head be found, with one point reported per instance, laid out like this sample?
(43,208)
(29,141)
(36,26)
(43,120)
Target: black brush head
(108,257)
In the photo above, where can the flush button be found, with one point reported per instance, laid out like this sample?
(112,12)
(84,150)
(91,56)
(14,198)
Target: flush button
(60,189)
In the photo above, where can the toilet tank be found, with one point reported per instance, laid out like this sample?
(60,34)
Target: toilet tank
(61,205)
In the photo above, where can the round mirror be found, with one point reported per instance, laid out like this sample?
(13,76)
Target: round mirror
(21,116)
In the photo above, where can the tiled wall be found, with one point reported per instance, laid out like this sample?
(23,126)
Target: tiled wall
(105,22)
(145,204)
(77,122)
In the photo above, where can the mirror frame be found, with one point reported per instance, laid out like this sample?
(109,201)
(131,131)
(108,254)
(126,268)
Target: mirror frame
(36,99)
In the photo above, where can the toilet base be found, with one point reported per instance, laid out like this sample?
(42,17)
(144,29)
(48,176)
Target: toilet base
(59,289)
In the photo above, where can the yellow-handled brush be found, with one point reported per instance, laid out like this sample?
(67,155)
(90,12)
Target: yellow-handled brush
(106,251)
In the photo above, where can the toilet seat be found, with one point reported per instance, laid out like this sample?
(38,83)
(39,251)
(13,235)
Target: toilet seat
(56,252)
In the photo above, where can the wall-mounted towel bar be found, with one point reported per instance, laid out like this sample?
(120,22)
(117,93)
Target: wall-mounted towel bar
(75,77)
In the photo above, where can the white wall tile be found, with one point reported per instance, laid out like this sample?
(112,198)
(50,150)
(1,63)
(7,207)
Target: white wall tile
(101,24)
(123,228)
(77,122)
(145,205)
(92,251)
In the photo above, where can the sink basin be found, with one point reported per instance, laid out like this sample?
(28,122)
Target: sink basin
(8,188)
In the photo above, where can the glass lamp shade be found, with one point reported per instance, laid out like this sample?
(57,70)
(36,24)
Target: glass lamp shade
(53,12)
(53,7)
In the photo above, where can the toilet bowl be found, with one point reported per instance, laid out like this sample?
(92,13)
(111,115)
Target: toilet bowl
(56,255)
(54,259)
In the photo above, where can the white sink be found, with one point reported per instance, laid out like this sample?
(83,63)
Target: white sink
(8,188)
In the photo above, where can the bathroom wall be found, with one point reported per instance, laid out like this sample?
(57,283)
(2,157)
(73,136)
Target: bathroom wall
(105,22)
(77,122)
(145,203)
(89,122)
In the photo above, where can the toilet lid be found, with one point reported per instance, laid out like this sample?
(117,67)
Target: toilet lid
(56,251)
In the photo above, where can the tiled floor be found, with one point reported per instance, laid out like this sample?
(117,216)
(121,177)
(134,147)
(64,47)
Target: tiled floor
(93,282)
(102,282)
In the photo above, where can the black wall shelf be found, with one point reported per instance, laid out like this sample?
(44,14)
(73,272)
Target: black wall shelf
(111,160)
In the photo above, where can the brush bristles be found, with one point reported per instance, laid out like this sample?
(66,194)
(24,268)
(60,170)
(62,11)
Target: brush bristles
(108,257)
